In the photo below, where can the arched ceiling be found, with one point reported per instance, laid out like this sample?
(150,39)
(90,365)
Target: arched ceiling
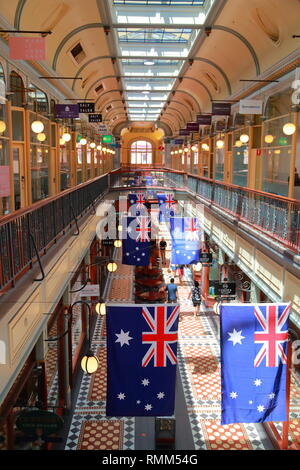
(163,63)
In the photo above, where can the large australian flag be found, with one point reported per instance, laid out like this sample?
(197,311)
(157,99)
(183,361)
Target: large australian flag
(137,204)
(141,359)
(166,204)
(185,235)
(136,237)
(254,342)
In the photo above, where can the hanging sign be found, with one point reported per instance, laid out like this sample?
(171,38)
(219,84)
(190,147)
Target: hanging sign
(45,422)
(178,141)
(107,139)
(66,111)
(251,107)
(206,258)
(204,119)
(221,109)
(192,126)
(225,288)
(24,48)
(86,107)
(184,132)
(95,117)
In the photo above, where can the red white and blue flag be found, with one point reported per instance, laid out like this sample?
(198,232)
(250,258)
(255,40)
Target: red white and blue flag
(254,342)
(136,238)
(141,359)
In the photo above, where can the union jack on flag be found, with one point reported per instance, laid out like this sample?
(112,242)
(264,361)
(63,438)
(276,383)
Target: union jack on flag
(143,229)
(140,200)
(272,337)
(160,337)
(191,228)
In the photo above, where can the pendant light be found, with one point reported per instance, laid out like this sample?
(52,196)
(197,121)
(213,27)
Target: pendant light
(269,138)
(83,141)
(101,307)
(118,243)
(289,128)
(41,137)
(92,145)
(220,144)
(238,143)
(112,266)
(244,138)
(37,127)
(2,127)
(66,136)
(89,363)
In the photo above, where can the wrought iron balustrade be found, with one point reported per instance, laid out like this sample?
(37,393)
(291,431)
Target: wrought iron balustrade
(45,221)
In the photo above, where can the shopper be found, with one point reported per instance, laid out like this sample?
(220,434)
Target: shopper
(172,291)
(195,293)
(163,246)
(180,272)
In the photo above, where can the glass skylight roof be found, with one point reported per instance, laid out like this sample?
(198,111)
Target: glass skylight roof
(154,40)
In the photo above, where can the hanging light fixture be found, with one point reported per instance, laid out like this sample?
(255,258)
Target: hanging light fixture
(41,137)
(61,141)
(244,138)
(89,363)
(238,143)
(205,146)
(176,152)
(194,148)
(220,144)
(112,266)
(92,145)
(186,149)
(101,307)
(198,267)
(120,228)
(66,136)
(118,243)
(172,153)
(289,128)
(83,141)
(269,138)
(99,147)
(37,126)
(180,151)
(2,127)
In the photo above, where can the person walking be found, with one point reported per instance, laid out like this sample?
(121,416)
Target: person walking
(195,293)
(172,292)
(163,246)
(180,272)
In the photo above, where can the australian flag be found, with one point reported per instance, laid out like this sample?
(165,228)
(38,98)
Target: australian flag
(141,359)
(185,235)
(166,204)
(136,241)
(254,342)
(137,204)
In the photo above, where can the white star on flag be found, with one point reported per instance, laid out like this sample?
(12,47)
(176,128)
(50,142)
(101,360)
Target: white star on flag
(148,407)
(138,402)
(121,396)
(233,395)
(236,337)
(257,382)
(145,382)
(123,338)
(250,402)
(160,395)
(260,408)
(272,395)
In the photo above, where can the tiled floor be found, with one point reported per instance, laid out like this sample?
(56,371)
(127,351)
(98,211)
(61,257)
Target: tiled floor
(199,368)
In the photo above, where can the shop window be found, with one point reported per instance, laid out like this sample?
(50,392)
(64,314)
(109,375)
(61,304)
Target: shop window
(141,152)
(279,104)
(39,172)
(17,88)
(37,100)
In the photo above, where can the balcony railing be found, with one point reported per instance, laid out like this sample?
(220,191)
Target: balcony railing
(44,222)
(275,216)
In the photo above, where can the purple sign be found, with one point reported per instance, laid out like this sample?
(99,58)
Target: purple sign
(67,111)
(221,109)
(192,126)
(178,141)
(184,132)
(204,119)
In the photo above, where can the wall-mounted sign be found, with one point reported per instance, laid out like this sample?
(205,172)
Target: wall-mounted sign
(66,111)
(221,109)
(107,139)
(86,107)
(95,117)
(27,48)
(204,119)
(91,290)
(251,107)
(192,126)
(46,422)
(4,181)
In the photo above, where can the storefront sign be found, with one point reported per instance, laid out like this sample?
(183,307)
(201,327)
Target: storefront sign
(44,422)
(95,117)
(178,141)
(225,288)
(192,126)
(251,107)
(204,119)
(67,111)
(4,181)
(221,109)
(107,242)
(86,107)
(91,290)
(206,258)
(24,48)
(184,132)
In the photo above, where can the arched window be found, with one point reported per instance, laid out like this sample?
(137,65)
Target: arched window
(17,88)
(37,100)
(141,152)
